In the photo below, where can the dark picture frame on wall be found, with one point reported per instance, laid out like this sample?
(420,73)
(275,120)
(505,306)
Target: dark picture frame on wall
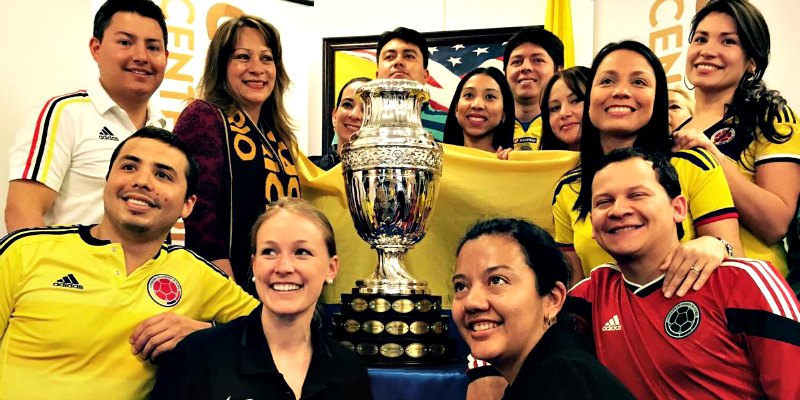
(453,54)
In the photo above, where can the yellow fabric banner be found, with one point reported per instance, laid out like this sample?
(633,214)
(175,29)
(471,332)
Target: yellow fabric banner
(474,185)
(558,19)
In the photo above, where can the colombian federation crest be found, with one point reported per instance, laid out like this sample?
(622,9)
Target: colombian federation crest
(722,136)
(164,290)
(682,320)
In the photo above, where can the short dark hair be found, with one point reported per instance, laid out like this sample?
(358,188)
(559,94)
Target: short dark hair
(407,35)
(665,173)
(503,133)
(145,8)
(540,250)
(540,37)
(350,82)
(164,136)
(577,81)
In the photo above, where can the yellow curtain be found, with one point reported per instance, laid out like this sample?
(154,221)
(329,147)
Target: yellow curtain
(558,19)
(474,185)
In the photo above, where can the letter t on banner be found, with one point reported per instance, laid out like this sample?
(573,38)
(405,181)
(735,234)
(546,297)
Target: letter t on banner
(558,19)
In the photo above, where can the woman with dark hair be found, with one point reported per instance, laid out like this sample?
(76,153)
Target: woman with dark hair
(276,351)
(346,118)
(562,109)
(748,128)
(481,114)
(626,106)
(241,135)
(510,285)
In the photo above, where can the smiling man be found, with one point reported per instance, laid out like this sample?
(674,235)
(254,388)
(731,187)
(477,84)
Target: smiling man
(57,163)
(736,337)
(531,57)
(403,53)
(83,308)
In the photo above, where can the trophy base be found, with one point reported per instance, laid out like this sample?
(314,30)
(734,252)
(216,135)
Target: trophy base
(392,286)
(391,329)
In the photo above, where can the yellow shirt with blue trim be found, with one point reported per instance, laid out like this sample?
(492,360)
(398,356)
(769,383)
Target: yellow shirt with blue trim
(751,151)
(530,138)
(702,182)
(67,309)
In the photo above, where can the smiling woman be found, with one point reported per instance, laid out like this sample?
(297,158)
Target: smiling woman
(510,284)
(240,133)
(626,106)
(294,255)
(481,113)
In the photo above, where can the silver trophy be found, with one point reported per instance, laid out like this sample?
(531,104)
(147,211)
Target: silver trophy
(391,169)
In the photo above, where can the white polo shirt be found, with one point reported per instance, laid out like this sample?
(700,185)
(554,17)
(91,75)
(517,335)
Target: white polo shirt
(68,146)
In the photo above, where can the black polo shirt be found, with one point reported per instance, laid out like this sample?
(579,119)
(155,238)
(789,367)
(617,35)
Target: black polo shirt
(558,367)
(233,361)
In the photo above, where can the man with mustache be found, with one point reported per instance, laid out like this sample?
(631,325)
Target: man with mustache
(57,163)
(530,59)
(84,308)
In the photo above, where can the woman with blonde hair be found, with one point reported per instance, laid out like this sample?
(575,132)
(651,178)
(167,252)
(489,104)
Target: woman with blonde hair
(681,107)
(276,351)
(242,137)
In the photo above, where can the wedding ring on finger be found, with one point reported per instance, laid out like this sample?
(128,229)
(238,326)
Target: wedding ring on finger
(695,268)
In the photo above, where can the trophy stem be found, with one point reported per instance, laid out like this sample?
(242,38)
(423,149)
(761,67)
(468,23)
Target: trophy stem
(391,276)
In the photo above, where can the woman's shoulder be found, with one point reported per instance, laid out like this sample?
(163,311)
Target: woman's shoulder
(214,337)
(695,158)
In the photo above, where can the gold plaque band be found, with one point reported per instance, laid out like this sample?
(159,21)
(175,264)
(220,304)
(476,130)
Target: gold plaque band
(358,304)
(403,306)
(372,326)
(397,328)
(367,349)
(380,305)
(391,350)
(352,326)
(419,327)
(424,305)
(416,350)
(438,327)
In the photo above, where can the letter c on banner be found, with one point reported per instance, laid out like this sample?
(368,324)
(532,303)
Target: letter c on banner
(657,5)
(216,13)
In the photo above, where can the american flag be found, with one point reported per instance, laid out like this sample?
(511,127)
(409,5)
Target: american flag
(447,64)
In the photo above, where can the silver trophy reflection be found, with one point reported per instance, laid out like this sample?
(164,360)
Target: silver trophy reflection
(392,168)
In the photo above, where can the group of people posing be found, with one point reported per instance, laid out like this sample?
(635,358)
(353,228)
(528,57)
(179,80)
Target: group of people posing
(97,303)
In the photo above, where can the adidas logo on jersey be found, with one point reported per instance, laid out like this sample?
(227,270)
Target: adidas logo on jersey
(612,324)
(68,281)
(106,134)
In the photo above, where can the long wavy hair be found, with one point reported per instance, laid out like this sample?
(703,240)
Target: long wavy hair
(577,80)
(753,105)
(213,85)
(503,133)
(653,137)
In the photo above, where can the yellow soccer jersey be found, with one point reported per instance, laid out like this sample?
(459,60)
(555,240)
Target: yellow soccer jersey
(749,153)
(702,183)
(529,139)
(67,310)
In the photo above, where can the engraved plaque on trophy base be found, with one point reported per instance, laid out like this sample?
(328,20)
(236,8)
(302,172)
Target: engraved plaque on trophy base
(389,329)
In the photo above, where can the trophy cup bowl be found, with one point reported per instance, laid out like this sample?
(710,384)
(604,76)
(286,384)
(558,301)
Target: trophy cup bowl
(391,169)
